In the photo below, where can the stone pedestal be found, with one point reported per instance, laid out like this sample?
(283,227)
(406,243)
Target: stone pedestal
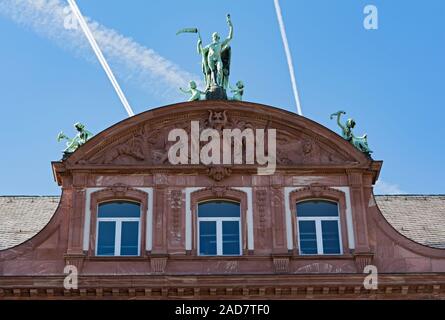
(216,93)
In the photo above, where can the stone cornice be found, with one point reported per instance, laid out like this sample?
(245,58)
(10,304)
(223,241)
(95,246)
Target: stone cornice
(304,286)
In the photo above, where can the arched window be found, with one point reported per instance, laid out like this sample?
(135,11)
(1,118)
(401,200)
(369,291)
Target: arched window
(118,229)
(318,226)
(219,228)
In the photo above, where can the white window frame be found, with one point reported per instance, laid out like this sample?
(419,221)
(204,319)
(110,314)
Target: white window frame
(118,231)
(219,232)
(319,231)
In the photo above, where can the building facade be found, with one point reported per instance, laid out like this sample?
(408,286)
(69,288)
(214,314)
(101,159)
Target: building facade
(134,225)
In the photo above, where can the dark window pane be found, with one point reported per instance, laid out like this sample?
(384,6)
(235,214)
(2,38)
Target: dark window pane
(129,239)
(219,209)
(207,237)
(308,237)
(119,209)
(317,209)
(331,241)
(231,241)
(105,238)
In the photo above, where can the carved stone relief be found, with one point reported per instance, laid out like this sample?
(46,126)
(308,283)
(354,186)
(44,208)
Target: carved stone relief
(176,206)
(148,144)
(261,196)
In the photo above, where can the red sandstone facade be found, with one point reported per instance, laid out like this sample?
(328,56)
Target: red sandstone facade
(129,161)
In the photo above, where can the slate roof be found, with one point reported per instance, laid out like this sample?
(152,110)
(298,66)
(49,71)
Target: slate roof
(21,217)
(418,217)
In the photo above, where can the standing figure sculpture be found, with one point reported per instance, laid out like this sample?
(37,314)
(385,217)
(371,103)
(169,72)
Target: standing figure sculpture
(216,58)
(215,62)
(361,143)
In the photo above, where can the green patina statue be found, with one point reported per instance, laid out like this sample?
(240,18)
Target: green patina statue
(216,58)
(238,91)
(81,137)
(361,143)
(215,62)
(194,91)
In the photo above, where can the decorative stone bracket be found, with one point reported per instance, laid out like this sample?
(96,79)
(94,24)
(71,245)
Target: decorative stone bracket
(362,260)
(75,260)
(281,264)
(158,264)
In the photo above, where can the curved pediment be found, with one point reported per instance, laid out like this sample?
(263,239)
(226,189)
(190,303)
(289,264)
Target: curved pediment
(142,141)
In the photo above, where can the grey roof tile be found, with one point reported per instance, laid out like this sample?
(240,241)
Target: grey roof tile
(418,217)
(21,217)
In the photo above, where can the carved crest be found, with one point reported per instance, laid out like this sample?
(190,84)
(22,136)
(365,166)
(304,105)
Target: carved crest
(217,119)
(219,191)
(218,173)
(119,189)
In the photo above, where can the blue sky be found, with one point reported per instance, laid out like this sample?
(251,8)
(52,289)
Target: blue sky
(389,80)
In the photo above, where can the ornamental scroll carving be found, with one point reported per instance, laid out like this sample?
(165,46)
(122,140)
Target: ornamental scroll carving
(175,206)
(261,197)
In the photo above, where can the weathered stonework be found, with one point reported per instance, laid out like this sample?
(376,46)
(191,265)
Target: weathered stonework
(130,161)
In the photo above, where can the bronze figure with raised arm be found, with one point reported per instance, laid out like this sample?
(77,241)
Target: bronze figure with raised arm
(215,62)
(216,58)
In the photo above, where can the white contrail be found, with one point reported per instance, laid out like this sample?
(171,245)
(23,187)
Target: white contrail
(288,56)
(100,56)
(133,62)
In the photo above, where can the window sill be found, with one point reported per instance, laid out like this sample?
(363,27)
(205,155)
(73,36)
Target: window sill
(262,257)
(218,258)
(321,256)
(113,258)
(221,258)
